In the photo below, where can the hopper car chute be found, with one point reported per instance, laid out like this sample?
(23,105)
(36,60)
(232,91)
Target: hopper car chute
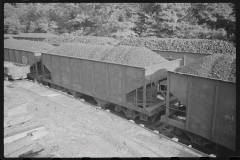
(132,89)
(208,105)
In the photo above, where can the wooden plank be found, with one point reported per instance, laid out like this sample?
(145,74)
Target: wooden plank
(39,134)
(12,147)
(34,151)
(25,149)
(18,120)
(24,134)
(22,128)
(35,147)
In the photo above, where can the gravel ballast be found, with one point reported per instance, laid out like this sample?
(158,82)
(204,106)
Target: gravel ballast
(182,45)
(217,66)
(27,45)
(128,55)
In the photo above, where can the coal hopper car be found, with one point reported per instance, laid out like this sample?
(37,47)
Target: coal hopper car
(205,109)
(26,52)
(123,75)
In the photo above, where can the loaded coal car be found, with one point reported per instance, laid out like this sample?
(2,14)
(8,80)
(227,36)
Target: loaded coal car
(28,53)
(186,49)
(205,109)
(123,75)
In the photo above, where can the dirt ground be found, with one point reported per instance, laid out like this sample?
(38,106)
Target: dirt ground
(76,129)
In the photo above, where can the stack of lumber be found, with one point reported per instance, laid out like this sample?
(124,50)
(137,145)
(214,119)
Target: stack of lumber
(15,70)
(22,133)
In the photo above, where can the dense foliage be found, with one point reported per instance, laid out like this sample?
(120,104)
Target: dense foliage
(121,20)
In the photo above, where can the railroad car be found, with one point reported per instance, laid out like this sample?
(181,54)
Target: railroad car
(30,57)
(132,89)
(205,109)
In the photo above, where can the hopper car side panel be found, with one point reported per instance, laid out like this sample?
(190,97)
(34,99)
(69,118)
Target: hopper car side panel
(100,80)
(87,77)
(133,78)
(76,74)
(211,107)
(179,87)
(6,55)
(25,54)
(12,55)
(18,56)
(115,89)
(201,106)
(47,62)
(65,72)
(224,130)
(56,74)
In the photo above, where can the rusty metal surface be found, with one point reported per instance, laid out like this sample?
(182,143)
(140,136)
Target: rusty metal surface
(211,106)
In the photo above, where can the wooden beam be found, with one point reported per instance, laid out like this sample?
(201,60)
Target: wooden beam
(18,120)
(21,135)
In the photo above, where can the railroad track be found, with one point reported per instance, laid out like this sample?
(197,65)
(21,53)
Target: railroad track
(91,102)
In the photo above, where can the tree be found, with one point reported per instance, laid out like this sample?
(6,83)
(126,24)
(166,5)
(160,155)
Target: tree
(219,17)
(8,10)
(14,26)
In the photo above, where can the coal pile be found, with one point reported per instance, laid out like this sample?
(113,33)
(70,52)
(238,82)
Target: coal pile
(92,40)
(182,45)
(128,55)
(27,45)
(95,52)
(135,56)
(217,66)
